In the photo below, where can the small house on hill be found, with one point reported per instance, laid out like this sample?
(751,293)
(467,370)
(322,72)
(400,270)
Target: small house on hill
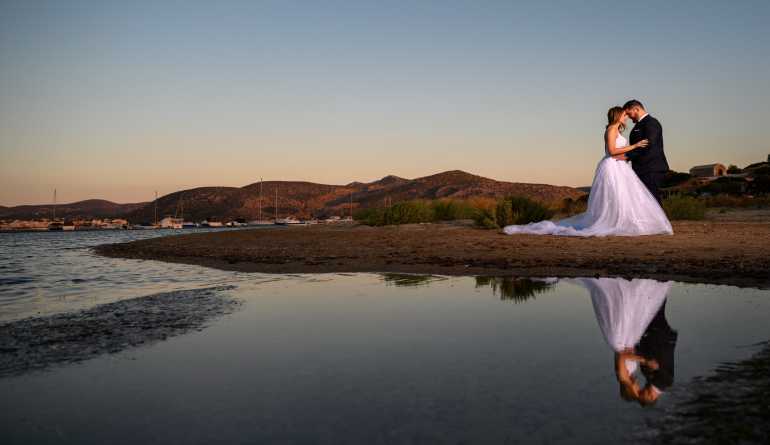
(708,171)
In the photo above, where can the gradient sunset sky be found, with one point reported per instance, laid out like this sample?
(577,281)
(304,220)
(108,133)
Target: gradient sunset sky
(116,99)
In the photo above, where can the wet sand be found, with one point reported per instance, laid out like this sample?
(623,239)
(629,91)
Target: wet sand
(37,343)
(728,405)
(725,250)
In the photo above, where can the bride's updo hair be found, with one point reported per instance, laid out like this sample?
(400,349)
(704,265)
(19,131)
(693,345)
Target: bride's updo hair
(613,116)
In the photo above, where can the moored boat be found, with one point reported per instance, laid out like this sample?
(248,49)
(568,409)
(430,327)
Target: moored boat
(288,221)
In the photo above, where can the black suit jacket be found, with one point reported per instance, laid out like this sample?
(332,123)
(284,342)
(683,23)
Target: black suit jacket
(650,159)
(659,342)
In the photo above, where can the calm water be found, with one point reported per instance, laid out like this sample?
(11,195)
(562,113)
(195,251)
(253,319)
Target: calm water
(360,358)
(47,272)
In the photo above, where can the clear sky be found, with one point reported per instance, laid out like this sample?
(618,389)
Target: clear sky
(116,99)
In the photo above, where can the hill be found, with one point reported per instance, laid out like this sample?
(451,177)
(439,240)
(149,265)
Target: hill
(90,208)
(306,199)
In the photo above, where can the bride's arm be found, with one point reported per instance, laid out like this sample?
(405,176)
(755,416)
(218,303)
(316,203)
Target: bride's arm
(621,372)
(611,135)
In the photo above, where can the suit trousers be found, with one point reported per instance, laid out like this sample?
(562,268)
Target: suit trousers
(653,181)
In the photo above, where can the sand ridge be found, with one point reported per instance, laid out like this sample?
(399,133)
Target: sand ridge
(716,251)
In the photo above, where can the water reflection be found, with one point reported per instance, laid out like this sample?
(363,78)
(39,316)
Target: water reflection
(43,273)
(351,359)
(513,289)
(407,280)
(632,318)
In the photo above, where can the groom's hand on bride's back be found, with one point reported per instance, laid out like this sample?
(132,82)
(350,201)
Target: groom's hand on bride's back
(635,149)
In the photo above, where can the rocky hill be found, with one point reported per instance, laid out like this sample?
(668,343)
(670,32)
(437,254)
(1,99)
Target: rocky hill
(307,199)
(90,208)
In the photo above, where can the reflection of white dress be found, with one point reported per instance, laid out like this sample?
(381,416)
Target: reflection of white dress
(619,204)
(624,308)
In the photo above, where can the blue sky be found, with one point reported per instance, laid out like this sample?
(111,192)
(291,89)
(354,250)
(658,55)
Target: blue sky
(118,99)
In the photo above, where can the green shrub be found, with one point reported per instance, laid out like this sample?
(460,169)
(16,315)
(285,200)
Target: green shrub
(370,217)
(486,218)
(452,209)
(571,206)
(729,185)
(520,210)
(732,201)
(484,211)
(684,207)
(673,178)
(760,185)
(407,212)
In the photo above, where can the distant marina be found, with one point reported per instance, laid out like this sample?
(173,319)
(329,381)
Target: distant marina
(175,222)
(168,223)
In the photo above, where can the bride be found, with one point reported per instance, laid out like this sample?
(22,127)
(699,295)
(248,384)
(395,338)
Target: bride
(619,204)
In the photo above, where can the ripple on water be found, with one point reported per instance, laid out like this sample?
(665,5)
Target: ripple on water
(10,281)
(44,273)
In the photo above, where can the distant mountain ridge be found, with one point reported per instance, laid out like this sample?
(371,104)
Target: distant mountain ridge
(301,199)
(89,208)
(306,199)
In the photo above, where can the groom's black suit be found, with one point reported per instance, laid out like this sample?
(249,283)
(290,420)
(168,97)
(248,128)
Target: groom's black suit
(659,342)
(649,163)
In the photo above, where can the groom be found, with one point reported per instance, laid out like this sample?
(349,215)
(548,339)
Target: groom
(649,163)
(657,344)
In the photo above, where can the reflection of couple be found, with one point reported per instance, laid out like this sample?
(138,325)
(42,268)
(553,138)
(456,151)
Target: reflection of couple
(632,318)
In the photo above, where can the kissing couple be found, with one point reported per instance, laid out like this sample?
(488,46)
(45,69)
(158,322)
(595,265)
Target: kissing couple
(625,194)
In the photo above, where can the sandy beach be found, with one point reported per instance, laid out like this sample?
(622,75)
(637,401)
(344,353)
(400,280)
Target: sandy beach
(729,248)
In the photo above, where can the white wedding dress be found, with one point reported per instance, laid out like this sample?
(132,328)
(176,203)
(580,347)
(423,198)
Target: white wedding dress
(619,204)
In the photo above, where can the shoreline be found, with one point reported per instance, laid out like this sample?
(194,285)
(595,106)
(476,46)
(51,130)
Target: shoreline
(704,252)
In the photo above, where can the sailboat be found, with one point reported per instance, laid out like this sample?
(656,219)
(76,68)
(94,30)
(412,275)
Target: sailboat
(174,222)
(288,221)
(283,221)
(55,225)
(259,221)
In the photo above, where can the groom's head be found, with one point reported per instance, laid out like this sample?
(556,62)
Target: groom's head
(634,110)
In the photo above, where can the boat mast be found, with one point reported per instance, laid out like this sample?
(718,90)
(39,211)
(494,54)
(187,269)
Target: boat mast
(179,210)
(156,207)
(260,198)
(276,202)
(54,205)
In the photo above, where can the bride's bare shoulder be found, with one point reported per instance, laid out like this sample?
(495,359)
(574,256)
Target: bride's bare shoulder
(611,130)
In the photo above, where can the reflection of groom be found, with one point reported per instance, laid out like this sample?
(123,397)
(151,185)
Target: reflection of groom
(657,343)
(649,163)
